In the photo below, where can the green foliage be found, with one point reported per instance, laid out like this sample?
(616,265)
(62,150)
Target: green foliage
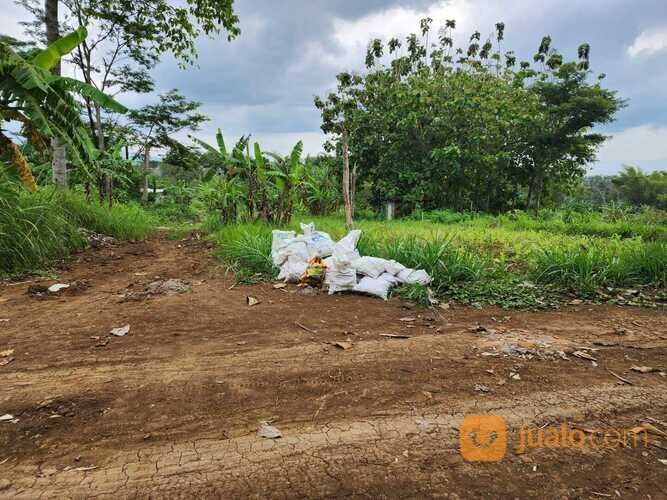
(44,105)
(34,230)
(41,228)
(247,250)
(240,187)
(639,188)
(124,221)
(156,123)
(50,56)
(431,132)
(319,191)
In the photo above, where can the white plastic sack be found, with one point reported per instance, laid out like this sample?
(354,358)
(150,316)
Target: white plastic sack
(414,277)
(379,286)
(345,251)
(319,244)
(375,266)
(307,229)
(394,267)
(279,242)
(292,269)
(340,277)
(370,266)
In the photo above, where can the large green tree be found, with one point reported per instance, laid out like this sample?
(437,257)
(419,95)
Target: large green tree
(437,126)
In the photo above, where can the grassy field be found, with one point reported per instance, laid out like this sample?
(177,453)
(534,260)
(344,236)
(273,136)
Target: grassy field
(38,229)
(508,260)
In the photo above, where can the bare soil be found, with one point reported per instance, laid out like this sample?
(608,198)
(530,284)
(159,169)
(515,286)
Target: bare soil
(171,410)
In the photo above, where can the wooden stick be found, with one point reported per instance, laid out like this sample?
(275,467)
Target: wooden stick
(624,380)
(305,328)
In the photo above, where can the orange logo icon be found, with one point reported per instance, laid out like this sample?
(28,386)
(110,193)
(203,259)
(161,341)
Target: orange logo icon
(483,438)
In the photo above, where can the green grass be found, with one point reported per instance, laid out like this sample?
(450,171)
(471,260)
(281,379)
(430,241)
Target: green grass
(38,229)
(247,249)
(123,221)
(481,258)
(649,224)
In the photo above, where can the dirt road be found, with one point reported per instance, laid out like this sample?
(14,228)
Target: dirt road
(171,410)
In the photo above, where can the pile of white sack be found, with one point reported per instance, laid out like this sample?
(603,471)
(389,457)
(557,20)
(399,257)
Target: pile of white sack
(347,271)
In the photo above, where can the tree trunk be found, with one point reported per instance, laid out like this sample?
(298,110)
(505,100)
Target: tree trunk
(101,145)
(346,181)
(353,188)
(108,188)
(147,157)
(59,162)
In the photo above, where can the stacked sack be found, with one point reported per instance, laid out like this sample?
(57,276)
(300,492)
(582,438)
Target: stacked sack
(291,253)
(347,271)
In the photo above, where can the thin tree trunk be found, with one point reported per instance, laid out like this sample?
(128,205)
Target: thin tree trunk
(353,188)
(108,188)
(98,126)
(346,180)
(59,162)
(101,145)
(147,157)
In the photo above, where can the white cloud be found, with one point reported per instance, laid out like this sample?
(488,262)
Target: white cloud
(12,15)
(649,42)
(644,146)
(350,37)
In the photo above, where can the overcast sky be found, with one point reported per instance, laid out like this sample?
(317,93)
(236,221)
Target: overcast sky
(263,83)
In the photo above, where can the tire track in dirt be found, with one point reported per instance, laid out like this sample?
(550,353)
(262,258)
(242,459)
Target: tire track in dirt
(177,467)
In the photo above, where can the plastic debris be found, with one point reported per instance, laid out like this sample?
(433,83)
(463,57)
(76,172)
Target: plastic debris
(314,274)
(121,331)
(379,286)
(6,417)
(57,287)
(252,301)
(268,431)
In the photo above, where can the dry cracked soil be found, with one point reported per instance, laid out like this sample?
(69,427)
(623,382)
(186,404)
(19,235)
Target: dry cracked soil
(172,409)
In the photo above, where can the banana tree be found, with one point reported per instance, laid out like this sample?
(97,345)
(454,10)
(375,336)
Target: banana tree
(238,165)
(286,173)
(44,104)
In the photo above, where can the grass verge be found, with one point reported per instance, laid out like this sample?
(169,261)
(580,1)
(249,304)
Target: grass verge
(38,229)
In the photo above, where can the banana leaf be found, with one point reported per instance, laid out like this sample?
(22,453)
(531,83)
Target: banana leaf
(208,147)
(89,92)
(221,142)
(50,56)
(259,163)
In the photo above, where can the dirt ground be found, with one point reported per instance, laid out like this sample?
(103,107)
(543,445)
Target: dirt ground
(172,409)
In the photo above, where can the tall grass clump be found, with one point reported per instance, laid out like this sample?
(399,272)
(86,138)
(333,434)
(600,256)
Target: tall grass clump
(446,262)
(246,248)
(123,221)
(34,230)
(37,229)
(592,266)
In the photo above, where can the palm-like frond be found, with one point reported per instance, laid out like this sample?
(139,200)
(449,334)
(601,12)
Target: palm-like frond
(221,142)
(88,91)
(44,103)
(50,56)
